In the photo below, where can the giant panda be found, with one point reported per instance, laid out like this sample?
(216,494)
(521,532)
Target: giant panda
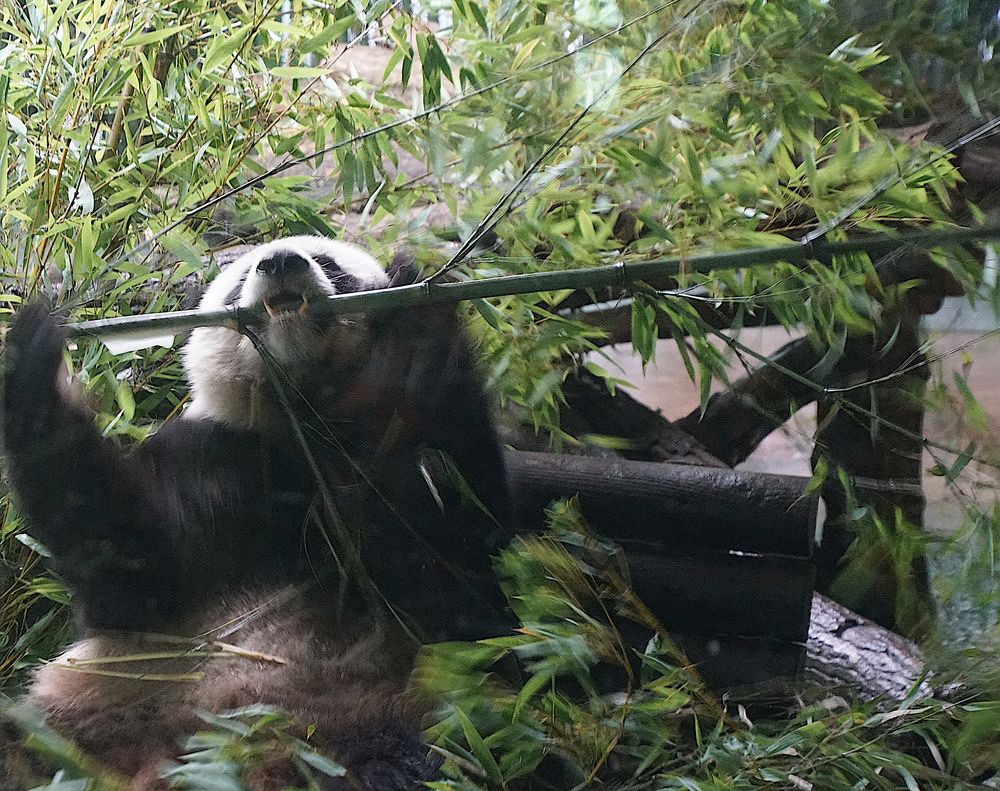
(330,498)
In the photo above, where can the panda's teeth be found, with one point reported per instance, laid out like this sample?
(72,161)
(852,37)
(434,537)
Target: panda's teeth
(274,312)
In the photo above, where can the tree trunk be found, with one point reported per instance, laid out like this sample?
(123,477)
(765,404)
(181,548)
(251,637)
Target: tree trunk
(874,434)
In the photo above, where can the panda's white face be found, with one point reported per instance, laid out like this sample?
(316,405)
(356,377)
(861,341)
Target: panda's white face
(285,276)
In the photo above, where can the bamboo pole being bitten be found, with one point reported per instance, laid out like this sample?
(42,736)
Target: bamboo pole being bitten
(619,275)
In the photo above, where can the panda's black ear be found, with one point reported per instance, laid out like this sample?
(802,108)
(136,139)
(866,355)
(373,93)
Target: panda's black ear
(403,270)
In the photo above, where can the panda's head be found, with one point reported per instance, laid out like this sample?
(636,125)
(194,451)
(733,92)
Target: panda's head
(285,277)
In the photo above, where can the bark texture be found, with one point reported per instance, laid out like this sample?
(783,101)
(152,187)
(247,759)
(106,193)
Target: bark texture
(859,656)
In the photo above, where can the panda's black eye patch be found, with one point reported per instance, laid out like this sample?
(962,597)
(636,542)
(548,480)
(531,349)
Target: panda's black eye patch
(343,282)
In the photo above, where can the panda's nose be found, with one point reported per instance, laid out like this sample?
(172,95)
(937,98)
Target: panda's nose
(282,264)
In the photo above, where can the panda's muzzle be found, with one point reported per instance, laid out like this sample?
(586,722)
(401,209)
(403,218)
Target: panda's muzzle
(283,264)
(284,269)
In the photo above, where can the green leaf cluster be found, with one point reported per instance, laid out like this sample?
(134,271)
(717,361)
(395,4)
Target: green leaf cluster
(568,704)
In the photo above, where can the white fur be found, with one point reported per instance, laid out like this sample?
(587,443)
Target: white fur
(351,259)
(224,369)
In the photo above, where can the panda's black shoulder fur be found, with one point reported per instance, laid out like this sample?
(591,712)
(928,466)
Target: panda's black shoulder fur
(210,515)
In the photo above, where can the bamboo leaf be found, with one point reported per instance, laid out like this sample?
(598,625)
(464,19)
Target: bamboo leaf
(329,34)
(322,764)
(479,749)
(153,36)
(297,72)
(125,399)
(224,48)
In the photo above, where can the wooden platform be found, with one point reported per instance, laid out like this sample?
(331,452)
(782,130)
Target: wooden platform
(723,558)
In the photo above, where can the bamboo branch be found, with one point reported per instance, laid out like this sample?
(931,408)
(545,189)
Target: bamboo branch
(428,112)
(619,275)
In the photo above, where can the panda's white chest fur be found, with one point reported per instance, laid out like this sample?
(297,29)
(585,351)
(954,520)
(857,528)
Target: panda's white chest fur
(237,383)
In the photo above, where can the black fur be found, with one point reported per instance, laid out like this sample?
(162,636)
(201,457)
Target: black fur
(153,539)
(201,506)
(140,537)
(344,282)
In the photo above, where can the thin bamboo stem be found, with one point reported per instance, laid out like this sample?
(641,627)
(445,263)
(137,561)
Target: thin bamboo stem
(618,275)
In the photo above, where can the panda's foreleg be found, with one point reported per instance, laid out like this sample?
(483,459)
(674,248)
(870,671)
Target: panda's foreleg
(423,372)
(442,468)
(82,497)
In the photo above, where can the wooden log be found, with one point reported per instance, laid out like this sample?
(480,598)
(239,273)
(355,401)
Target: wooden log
(887,453)
(845,655)
(883,464)
(738,595)
(720,557)
(741,617)
(725,661)
(859,656)
(681,507)
(980,163)
(728,662)
(651,437)
(736,421)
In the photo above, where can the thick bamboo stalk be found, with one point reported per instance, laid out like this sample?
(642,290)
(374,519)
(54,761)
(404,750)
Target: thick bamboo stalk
(619,275)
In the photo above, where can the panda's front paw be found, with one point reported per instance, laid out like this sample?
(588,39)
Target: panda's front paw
(32,359)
